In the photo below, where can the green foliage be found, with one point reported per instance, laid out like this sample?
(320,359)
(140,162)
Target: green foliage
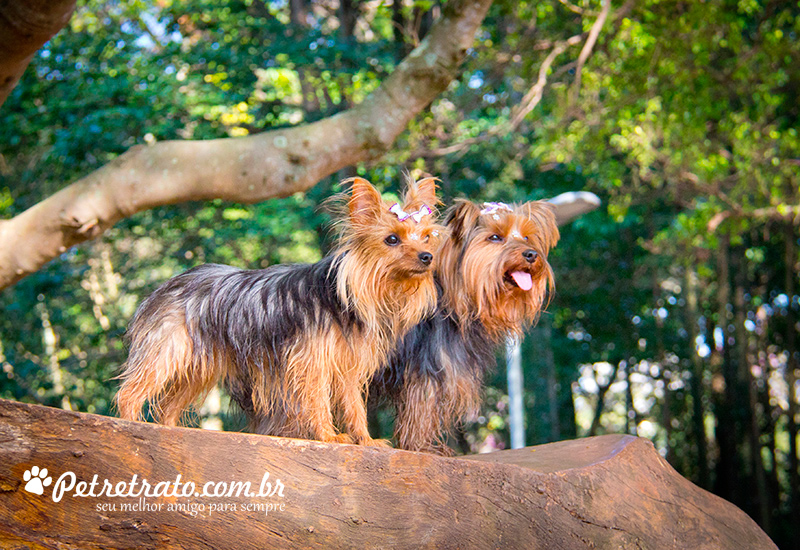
(685,124)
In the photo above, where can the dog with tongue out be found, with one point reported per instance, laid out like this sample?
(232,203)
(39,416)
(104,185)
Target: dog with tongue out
(493,281)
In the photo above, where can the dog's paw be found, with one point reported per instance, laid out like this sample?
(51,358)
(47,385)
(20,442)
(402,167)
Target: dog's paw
(369,442)
(442,450)
(340,438)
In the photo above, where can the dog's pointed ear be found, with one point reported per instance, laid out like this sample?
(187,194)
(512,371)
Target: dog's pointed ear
(543,214)
(421,193)
(365,202)
(462,218)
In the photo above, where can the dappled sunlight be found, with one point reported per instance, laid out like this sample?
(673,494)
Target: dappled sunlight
(676,310)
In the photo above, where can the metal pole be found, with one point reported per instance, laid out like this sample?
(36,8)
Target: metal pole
(516,416)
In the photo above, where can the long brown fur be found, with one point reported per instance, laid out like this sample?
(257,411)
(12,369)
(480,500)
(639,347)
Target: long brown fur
(473,269)
(435,375)
(309,338)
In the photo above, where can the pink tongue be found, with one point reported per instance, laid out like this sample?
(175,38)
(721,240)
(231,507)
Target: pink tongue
(523,280)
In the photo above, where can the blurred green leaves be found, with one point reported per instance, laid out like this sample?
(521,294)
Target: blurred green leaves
(686,125)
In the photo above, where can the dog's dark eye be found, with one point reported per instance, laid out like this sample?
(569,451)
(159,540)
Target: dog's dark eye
(496,238)
(392,240)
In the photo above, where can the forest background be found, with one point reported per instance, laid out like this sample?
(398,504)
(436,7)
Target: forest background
(675,315)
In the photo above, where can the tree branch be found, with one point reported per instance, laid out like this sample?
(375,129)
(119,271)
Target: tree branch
(518,113)
(572,7)
(24,28)
(587,48)
(534,95)
(789,213)
(268,165)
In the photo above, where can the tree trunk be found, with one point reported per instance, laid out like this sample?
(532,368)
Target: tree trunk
(601,400)
(553,398)
(698,413)
(727,432)
(348,17)
(791,371)
(611,492)
(747,395)
(24,28)
(268,165)
(399,29)
(631,416)
(661,358)
(298,12)
(543,420)
(764,395)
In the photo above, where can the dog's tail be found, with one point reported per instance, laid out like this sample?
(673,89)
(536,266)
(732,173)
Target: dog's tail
(163,366)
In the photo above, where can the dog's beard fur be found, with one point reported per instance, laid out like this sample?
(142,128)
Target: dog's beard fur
(295,345)
(435,375)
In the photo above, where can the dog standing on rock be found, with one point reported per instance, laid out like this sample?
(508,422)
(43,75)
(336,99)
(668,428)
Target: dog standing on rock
(295,345)
(493,280)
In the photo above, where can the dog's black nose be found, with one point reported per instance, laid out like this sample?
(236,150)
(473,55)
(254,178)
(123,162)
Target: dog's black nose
(425,257)
(530,255)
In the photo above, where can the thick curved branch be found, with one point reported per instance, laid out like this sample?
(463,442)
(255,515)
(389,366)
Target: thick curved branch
(24,28)
(268,165)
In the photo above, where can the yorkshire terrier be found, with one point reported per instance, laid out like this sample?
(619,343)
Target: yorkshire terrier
(294,345)
(493,280)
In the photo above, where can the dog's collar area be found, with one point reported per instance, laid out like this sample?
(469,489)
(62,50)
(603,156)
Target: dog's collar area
(402,215)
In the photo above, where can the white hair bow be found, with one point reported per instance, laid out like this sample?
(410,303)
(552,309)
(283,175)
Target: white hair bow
(493,207)
(416,216)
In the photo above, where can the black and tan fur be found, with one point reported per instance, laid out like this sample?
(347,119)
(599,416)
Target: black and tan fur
(295,345)
(435,375)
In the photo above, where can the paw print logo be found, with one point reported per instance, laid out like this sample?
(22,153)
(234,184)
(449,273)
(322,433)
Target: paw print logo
(37,480)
